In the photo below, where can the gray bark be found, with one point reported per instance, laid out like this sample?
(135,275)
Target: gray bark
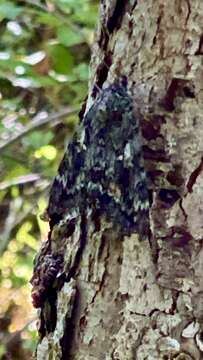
(131,299)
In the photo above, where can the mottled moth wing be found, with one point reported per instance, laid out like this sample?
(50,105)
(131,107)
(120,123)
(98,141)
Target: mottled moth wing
(103,168)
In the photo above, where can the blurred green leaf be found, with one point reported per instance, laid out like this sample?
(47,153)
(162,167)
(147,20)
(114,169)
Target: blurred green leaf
(17,170)
(24,237)
(37,139)
(8,10)
(82,71)
(48,19)
(47,151)
(87,16)
(2,350)
(61,59)
(68,37)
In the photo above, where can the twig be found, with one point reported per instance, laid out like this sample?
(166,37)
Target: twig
(36,124)
(19,181)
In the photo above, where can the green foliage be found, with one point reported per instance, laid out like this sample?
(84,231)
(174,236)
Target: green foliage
(9,10)
(44,56)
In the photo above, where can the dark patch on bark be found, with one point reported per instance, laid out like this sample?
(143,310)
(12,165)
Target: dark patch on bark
(168,101)
(157,155)
(150,193)
(104,39)
(70,228)
(179,237)
(158,28)
(83,323)
(154,174)
(67,340)
(177,88)
(102,73)
(173,309)
(131,26)
(134,5)
(200,48)
(189,92)
(82,110)
(174,177)
(168,196)
(52,312)
(83,238)
(55,219)
(115,20)
(101,246)
(150,130)
(96,220)
(45,272)
(193,177)
(48,314)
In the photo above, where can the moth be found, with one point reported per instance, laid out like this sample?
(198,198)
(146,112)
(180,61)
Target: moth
(103,169)
(101,175)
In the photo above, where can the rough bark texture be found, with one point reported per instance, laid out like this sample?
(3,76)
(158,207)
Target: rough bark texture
(130,299)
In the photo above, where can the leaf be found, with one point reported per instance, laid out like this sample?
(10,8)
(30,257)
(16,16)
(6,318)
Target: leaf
(69,5)
(37,139)
(24,237)
(88,16)
(68,37)
(48,19)
(61,59)
(15,171)
(47,151)
(82,71)
(2,350)
(9,10)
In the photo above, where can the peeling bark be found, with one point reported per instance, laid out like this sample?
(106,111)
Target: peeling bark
(129,299)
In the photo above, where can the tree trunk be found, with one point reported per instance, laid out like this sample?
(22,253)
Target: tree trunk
(113,295)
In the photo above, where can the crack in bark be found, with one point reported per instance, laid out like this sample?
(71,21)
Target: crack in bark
(114,22)
(189,11)
(83,321)
(102,73)
(168,101)
(193,177)
(200,48)
(103,276)
(183,210)
(66,341)
(134,5)
(83,239)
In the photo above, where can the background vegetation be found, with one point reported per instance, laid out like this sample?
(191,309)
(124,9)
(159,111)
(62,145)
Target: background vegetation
(44,56)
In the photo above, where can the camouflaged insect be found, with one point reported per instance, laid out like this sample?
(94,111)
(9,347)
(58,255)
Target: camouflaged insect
(102,171)
(101,175)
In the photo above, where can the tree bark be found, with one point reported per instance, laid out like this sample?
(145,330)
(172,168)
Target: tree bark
(131,299)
